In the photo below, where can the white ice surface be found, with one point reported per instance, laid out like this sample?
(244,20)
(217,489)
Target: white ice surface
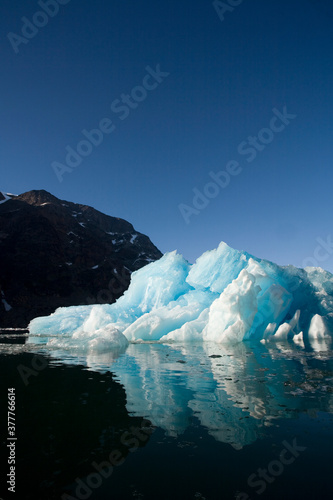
(227,296)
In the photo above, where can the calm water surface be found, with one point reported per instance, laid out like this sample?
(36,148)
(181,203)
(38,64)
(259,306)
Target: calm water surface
(182,422)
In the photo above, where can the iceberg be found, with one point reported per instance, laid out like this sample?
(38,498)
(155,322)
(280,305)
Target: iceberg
(226,297)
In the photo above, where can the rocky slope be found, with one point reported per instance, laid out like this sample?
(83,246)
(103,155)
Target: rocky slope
(56,253)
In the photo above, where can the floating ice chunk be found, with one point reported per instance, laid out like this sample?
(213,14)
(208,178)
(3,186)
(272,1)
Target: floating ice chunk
(318,335)
(317,329)
(287,329)
(226,297)
(270,330)
(100,340)
(298,339)
(108,338)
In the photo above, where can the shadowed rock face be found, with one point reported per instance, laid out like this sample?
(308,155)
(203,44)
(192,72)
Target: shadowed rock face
(56,253)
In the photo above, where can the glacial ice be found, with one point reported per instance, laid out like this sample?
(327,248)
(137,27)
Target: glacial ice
(95,341)
(227,296)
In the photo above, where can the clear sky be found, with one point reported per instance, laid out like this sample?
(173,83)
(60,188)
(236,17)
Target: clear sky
(218,115)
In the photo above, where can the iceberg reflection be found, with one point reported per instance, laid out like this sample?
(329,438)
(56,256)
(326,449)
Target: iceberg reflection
(232,391)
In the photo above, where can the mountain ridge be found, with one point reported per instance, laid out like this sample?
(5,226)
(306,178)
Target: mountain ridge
(58,253)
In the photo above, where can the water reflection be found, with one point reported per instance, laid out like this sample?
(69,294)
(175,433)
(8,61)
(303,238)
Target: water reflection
(66,418)
(232,391)
(209,400)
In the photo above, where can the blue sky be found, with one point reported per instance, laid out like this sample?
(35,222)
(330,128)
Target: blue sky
(226,75)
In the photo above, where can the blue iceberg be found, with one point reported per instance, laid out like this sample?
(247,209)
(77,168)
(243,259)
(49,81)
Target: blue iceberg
(226,297)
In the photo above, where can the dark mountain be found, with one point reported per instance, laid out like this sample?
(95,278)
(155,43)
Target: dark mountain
(56,253)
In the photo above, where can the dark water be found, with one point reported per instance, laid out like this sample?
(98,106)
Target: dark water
(182,422)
